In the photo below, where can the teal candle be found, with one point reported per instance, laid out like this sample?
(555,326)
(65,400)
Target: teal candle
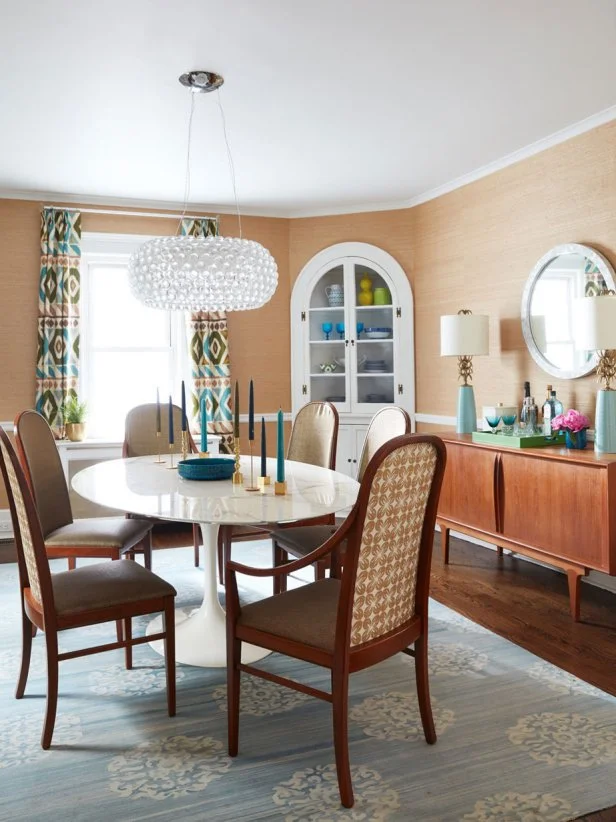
(251,412)
(280,449)
(263,449)
(170,420)
(203,423)
(184,418)
(236,412)
(158,426)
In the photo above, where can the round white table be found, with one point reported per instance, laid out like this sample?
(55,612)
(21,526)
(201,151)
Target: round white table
(140,486)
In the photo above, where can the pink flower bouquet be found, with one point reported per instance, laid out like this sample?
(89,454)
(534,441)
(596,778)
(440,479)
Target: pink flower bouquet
(571,421)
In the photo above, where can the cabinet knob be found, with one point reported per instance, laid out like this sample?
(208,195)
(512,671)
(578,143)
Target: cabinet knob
(346,342)
(349,460)
(354,460)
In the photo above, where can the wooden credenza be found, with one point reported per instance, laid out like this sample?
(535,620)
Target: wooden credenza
(552,504)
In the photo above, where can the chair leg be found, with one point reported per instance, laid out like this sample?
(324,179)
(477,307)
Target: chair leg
(72,563)
(340,706)
(227,541)
(52,688)
(147,550)
(423,688)
(27,632)
(319,570)
(234,652)
(169,641)
(128,648)
(196,543)
(279,557)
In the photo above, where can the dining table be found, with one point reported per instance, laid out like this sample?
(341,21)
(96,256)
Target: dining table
(144,487)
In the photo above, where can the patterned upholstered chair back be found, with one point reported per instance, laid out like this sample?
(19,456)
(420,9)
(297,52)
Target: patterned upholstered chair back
(386,424)
(395,544)
(314,435)
(43,466)
(140,438)
(33,563)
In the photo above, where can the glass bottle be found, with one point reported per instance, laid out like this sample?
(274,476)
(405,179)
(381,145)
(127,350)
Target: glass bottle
(558,406)
(549,413)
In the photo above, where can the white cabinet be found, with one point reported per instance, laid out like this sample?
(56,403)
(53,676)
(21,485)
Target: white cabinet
(358,356)
(350,444)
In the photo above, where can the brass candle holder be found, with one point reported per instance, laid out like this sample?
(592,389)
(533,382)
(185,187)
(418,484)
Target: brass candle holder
(280,488)
(238,479)
(252,486)
(204,454)
(184,445)
(159,459)
(171,466)
(263,482)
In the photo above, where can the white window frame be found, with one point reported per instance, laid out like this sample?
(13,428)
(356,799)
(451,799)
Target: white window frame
(103,249)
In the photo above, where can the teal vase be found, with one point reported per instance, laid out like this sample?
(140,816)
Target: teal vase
(575,439)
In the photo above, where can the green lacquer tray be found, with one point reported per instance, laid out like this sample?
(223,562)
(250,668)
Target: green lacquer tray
(514,441)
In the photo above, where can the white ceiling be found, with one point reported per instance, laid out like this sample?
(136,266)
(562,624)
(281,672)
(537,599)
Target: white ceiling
(331,105)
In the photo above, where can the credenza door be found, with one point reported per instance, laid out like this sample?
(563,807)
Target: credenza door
(468,493)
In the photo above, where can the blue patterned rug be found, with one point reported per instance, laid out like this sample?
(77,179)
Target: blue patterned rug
(518,739)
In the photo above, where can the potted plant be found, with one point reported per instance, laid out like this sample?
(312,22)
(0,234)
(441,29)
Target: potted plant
(74,414)
(574,425)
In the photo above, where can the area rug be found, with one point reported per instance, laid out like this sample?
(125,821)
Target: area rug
(518,739)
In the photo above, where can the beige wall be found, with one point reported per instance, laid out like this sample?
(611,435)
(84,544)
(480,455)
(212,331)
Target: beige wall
(474,248)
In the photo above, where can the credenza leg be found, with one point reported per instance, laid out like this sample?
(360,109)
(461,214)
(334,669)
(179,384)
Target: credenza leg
(574,577)
(499,550)
(445,544)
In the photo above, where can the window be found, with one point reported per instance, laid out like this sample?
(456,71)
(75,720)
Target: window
(128,351)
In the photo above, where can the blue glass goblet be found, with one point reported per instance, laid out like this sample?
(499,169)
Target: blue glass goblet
(508,421)
(340,329)
(327,329)
(360,328)
(493,422)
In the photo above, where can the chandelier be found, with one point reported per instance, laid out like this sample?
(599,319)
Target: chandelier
(203,273)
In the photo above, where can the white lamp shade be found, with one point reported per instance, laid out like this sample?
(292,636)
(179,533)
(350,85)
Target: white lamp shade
(464,335)
(595,323)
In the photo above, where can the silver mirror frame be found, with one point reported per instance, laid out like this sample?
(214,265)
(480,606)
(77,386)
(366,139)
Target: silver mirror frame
(608,275)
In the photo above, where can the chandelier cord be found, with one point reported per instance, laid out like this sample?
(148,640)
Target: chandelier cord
(187,174)
(230,159)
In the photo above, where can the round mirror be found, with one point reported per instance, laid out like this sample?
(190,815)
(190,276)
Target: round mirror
(559,277)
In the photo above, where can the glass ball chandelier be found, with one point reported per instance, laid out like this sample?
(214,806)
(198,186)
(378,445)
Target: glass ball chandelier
(203,273)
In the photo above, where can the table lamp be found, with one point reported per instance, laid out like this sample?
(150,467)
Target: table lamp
(464,335)
(595,330)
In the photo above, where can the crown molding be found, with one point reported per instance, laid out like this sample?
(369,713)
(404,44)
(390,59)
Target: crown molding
(561,136)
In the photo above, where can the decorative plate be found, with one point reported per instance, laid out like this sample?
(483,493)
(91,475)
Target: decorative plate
(209,468)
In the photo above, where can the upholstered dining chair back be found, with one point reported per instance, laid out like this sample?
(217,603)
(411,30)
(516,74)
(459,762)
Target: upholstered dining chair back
(314,435)
(32,557)
(43,469)
(389,556)
(140,438)
(391,421)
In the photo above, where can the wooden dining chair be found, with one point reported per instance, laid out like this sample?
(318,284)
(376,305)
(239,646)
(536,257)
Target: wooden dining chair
(374,607)
(313,440)
(102,537)
(73,599)
(299,541)
(140,440)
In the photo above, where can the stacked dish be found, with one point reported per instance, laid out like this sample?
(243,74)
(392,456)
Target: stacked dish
(375,366)
(378,333)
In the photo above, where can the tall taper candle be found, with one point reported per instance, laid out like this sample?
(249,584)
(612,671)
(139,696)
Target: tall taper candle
(203,423)
(280,449)
(236,413)
(158,428)
(184,420)
(170,420)
(263,449)
(251,412)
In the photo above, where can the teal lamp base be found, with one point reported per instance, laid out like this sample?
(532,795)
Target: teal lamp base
(467,413)
(605,422)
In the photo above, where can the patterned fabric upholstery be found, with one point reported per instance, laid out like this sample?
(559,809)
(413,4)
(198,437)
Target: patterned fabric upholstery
(24,526)
(311,437)
(389,550)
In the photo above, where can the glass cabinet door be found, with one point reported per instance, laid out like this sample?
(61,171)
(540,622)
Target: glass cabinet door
(328,340)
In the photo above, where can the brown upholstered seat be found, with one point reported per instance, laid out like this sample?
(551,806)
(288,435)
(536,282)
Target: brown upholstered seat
(313,440)
(105,585)
(377,608)
(85,596)
(102,537)
(140,440)
(299,541)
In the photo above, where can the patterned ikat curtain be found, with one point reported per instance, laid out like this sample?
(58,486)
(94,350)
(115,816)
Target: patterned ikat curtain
(57,367)
(209,356)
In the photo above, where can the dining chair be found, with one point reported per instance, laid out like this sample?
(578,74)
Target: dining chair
(140,440)
(376,606)
(103,537)
(313,440)
(299,541)
(72,599)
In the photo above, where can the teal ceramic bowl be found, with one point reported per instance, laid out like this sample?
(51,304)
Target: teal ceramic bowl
(209,468)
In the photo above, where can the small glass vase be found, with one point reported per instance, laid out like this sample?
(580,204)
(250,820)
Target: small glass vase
(575,439)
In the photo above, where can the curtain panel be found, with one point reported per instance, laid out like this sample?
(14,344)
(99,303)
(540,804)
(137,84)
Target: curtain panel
(209,356)
(57,367)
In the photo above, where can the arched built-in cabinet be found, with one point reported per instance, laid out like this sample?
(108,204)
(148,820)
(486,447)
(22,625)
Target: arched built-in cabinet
(357,369)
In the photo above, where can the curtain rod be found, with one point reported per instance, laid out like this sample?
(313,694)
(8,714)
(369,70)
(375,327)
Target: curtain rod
(125,213)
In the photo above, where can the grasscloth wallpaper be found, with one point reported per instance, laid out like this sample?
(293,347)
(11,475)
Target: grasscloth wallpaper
(471,248)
